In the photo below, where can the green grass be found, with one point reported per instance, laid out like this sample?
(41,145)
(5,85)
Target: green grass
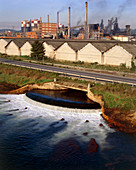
(23,76)
(121,68)
(114,95)
(117,95)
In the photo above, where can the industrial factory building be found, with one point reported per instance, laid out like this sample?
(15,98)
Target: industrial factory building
(69,51)
(85,55)
(14,47)
(30,26)
(26,48)
(47,30)
(101,52)
(38,29)
(120,54)
(3,43)
(50,47)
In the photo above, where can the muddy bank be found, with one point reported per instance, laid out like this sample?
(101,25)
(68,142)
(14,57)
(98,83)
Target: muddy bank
(6,88)
(13,89)
(120,119)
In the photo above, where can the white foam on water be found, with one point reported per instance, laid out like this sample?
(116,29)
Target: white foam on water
(47,114)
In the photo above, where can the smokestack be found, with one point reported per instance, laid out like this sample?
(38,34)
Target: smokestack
(40,19)
(69,23)
(57,21)
(85,34)
(48,19)
(57,36)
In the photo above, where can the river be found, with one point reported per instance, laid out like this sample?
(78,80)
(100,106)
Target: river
(42,137)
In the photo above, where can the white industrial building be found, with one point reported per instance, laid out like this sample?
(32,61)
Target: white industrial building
(120,54)
(26,48)
(50,46)
(107,53)
(69,51)
(3,43)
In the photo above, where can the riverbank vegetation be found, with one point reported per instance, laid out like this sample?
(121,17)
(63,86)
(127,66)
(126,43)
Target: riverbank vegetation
(22,76)
(46,60)
(117,95)
(114,95)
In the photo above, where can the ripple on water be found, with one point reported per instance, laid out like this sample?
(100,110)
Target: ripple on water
(41,136)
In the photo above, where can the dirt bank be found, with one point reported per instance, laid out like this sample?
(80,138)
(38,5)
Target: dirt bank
(13,89)
(120,120)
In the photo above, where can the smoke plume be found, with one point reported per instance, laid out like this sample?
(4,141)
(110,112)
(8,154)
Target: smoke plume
(123,6)
(79,21)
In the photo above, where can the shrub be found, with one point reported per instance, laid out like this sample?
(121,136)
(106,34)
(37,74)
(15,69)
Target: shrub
(37,51)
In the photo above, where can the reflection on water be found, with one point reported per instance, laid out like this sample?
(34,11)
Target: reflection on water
(32,137)
(67,98)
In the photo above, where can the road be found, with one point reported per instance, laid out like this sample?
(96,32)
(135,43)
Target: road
(88,75)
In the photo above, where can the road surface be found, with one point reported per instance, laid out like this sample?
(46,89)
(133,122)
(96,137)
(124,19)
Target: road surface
(88,75)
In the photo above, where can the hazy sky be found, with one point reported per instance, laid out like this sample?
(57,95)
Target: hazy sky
(13,11)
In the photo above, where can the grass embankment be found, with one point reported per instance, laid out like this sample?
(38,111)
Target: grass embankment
(121,68)
(117,96)
(23,76)
(114,95)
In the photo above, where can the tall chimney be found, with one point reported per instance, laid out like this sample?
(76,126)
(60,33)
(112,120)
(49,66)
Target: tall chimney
(40,19)
(57,21)
(57,33)
(69,23)
(48,19)
(85,26)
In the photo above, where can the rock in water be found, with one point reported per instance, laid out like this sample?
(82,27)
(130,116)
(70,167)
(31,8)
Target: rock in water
(93,146)
(62,119)
(85,133)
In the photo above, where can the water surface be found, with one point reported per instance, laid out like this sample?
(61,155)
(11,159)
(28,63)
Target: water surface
(35,137)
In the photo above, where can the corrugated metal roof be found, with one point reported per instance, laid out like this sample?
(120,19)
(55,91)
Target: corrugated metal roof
(18,42)
(21,42)
(54,44)
(131,48)
(77,45)
(102,47)
(6,39)
(74,45)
